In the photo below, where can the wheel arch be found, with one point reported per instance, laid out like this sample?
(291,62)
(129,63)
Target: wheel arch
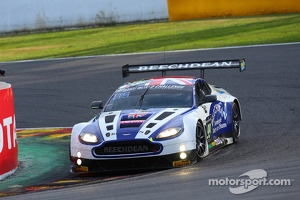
(190,121)
(236,101)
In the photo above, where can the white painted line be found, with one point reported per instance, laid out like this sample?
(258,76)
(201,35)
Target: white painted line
(144,53)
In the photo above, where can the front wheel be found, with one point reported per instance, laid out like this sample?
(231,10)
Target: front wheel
(235,123)
(201,141)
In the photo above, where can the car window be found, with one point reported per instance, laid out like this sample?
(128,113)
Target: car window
(151,97)
(202,89)
(205,88)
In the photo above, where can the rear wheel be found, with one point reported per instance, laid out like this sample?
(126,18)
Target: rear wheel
(201,142)
(235,123)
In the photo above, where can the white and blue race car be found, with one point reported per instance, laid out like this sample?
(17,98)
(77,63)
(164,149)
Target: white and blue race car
(161,122)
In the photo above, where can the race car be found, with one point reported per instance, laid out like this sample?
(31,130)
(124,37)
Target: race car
(158,122)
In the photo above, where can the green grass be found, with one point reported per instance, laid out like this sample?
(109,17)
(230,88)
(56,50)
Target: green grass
(151,37)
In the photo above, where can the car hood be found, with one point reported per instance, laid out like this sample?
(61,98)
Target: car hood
(136,124)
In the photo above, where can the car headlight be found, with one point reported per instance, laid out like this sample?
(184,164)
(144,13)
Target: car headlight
(88,137)
(170,132)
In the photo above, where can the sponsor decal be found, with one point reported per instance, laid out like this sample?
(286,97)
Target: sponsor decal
(7,128)
(132,122)
(181,163)
(135,83)
(8,135)
(216,142)
(82,169)
(219,117)
(108,134)
(126,149)
(128,69)
(136,115)
(124,91)
(134,119)
(220,91)
(211,145)
(160,83)
(208,130)
(184,66)
(169,82)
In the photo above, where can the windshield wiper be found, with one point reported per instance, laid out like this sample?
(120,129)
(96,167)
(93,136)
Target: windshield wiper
(139,104)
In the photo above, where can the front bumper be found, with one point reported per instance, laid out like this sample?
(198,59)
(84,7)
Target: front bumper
(153,162)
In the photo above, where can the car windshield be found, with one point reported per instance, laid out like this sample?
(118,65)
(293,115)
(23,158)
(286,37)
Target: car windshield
(166,96)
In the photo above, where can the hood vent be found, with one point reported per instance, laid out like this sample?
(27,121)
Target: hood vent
(109,118)
(151,125)
(110,127)
(164,115)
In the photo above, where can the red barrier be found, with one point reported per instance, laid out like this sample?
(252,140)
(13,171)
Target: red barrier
(8,136)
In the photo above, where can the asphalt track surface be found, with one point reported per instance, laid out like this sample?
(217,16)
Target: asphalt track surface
(58,93)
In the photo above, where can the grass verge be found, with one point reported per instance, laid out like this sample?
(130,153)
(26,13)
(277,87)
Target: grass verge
(151,37)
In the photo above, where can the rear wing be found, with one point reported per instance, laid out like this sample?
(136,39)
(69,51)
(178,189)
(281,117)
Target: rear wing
(201,65)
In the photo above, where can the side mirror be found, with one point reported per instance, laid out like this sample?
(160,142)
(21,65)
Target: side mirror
(210,98)
(97,105)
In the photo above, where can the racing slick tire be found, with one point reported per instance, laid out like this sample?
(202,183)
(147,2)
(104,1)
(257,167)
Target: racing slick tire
(201,141)
(236,131)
